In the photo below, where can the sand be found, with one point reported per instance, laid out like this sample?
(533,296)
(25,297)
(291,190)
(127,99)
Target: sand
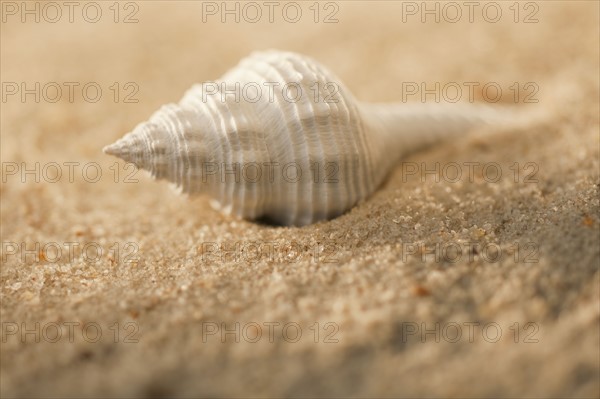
(436,286)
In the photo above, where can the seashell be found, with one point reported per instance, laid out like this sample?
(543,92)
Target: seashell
(280,138)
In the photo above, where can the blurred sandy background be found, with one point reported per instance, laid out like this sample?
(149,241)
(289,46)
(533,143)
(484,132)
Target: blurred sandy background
(371,294)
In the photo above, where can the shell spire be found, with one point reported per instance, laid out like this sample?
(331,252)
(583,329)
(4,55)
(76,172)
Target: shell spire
(130,149)
(280,137)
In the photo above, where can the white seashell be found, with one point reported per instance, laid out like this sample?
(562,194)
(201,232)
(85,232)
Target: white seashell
(287,158)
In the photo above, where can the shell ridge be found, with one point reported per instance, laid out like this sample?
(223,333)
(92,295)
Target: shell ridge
(232,149)
(321,191)
(344,139)
(235,192)
(222,156)
(264,184)
(181,148)
(286,191)
(308,212)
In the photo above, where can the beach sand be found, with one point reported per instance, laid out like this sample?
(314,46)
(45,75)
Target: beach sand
(482,285)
